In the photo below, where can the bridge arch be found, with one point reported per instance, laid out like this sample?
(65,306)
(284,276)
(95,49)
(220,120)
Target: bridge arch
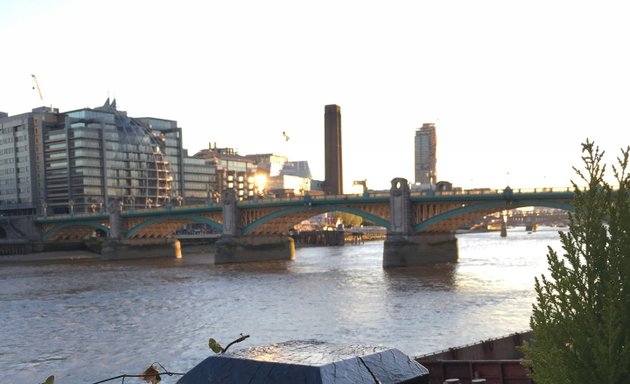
(57,228)
(490,207)
(190,218)
(312,211)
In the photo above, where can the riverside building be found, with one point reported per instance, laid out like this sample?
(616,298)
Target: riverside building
(231,171)
(86,159)
(22,165)
(79,161)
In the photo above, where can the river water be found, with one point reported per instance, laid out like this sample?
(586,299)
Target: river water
(87,321)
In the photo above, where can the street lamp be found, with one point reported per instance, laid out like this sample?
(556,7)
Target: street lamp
(45,208)
(132,202)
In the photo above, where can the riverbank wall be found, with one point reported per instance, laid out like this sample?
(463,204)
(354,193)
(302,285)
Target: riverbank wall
(23,247)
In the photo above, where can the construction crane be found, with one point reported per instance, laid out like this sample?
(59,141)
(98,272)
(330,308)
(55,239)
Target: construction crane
(362,183)
(37,86)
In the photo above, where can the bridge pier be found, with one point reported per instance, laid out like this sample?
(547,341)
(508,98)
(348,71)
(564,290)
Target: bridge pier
(420,249)
(402,248)
(116,247)
(242,249)
(232,247)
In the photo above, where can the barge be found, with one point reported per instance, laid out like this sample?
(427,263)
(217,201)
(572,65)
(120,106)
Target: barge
(493,361)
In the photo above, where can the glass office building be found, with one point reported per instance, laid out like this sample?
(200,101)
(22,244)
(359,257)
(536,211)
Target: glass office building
(101,154)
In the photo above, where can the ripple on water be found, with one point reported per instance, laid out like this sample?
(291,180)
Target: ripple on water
(87,321)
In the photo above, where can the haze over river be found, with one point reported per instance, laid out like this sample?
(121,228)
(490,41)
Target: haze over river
(86,321)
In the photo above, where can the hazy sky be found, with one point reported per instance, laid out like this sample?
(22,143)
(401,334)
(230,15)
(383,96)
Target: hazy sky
(513,87)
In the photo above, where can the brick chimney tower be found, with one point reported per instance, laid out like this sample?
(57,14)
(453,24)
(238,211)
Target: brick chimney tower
(333,184)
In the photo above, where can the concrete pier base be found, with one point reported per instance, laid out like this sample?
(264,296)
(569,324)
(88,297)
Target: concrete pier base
(410,250)
(241,249)
(141,249)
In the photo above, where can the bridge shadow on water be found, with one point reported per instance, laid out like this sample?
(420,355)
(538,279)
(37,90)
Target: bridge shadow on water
(438,277)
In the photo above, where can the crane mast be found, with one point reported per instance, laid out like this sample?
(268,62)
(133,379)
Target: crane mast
(38,89)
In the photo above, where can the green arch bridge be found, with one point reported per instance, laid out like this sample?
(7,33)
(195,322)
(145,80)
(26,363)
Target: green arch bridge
(416,222)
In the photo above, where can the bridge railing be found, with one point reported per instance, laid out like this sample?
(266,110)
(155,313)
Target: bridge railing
(316,197)
(491,191)
(300,198)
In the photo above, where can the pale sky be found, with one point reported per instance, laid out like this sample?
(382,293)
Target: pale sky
(513,87)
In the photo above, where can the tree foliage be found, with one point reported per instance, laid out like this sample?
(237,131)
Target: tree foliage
(581,318)
(350,220)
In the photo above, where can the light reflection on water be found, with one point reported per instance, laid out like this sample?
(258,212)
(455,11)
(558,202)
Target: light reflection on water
(87,321)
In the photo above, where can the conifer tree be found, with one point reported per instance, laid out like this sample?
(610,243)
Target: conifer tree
(581,318)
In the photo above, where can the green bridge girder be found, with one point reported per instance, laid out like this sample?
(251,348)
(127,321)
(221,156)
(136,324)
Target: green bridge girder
(86,223)
(496,206)
(316,210)
(471,202)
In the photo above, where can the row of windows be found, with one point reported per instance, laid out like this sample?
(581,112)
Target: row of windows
(92,115)
(56,155)
(171,151)
(86,134)
(87,172)
(86,153)
(56,146)
(131,148)
(92,191)
(196,194)
(198,177)
(130,156)
(57,164)
(6,129)
(87,181)
(82,124)
(56,137)
(138,174)
(85,144)
(126,182)
(127,165)
(197,186)
(21,148)
(11,181)
(86,163)
(14,191)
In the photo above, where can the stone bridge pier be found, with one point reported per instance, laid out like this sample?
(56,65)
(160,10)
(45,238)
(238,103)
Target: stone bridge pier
(234,247)
(116,247)
(402,247)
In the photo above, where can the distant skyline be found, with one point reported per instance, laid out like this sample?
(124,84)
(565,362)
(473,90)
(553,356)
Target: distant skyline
(513,88)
